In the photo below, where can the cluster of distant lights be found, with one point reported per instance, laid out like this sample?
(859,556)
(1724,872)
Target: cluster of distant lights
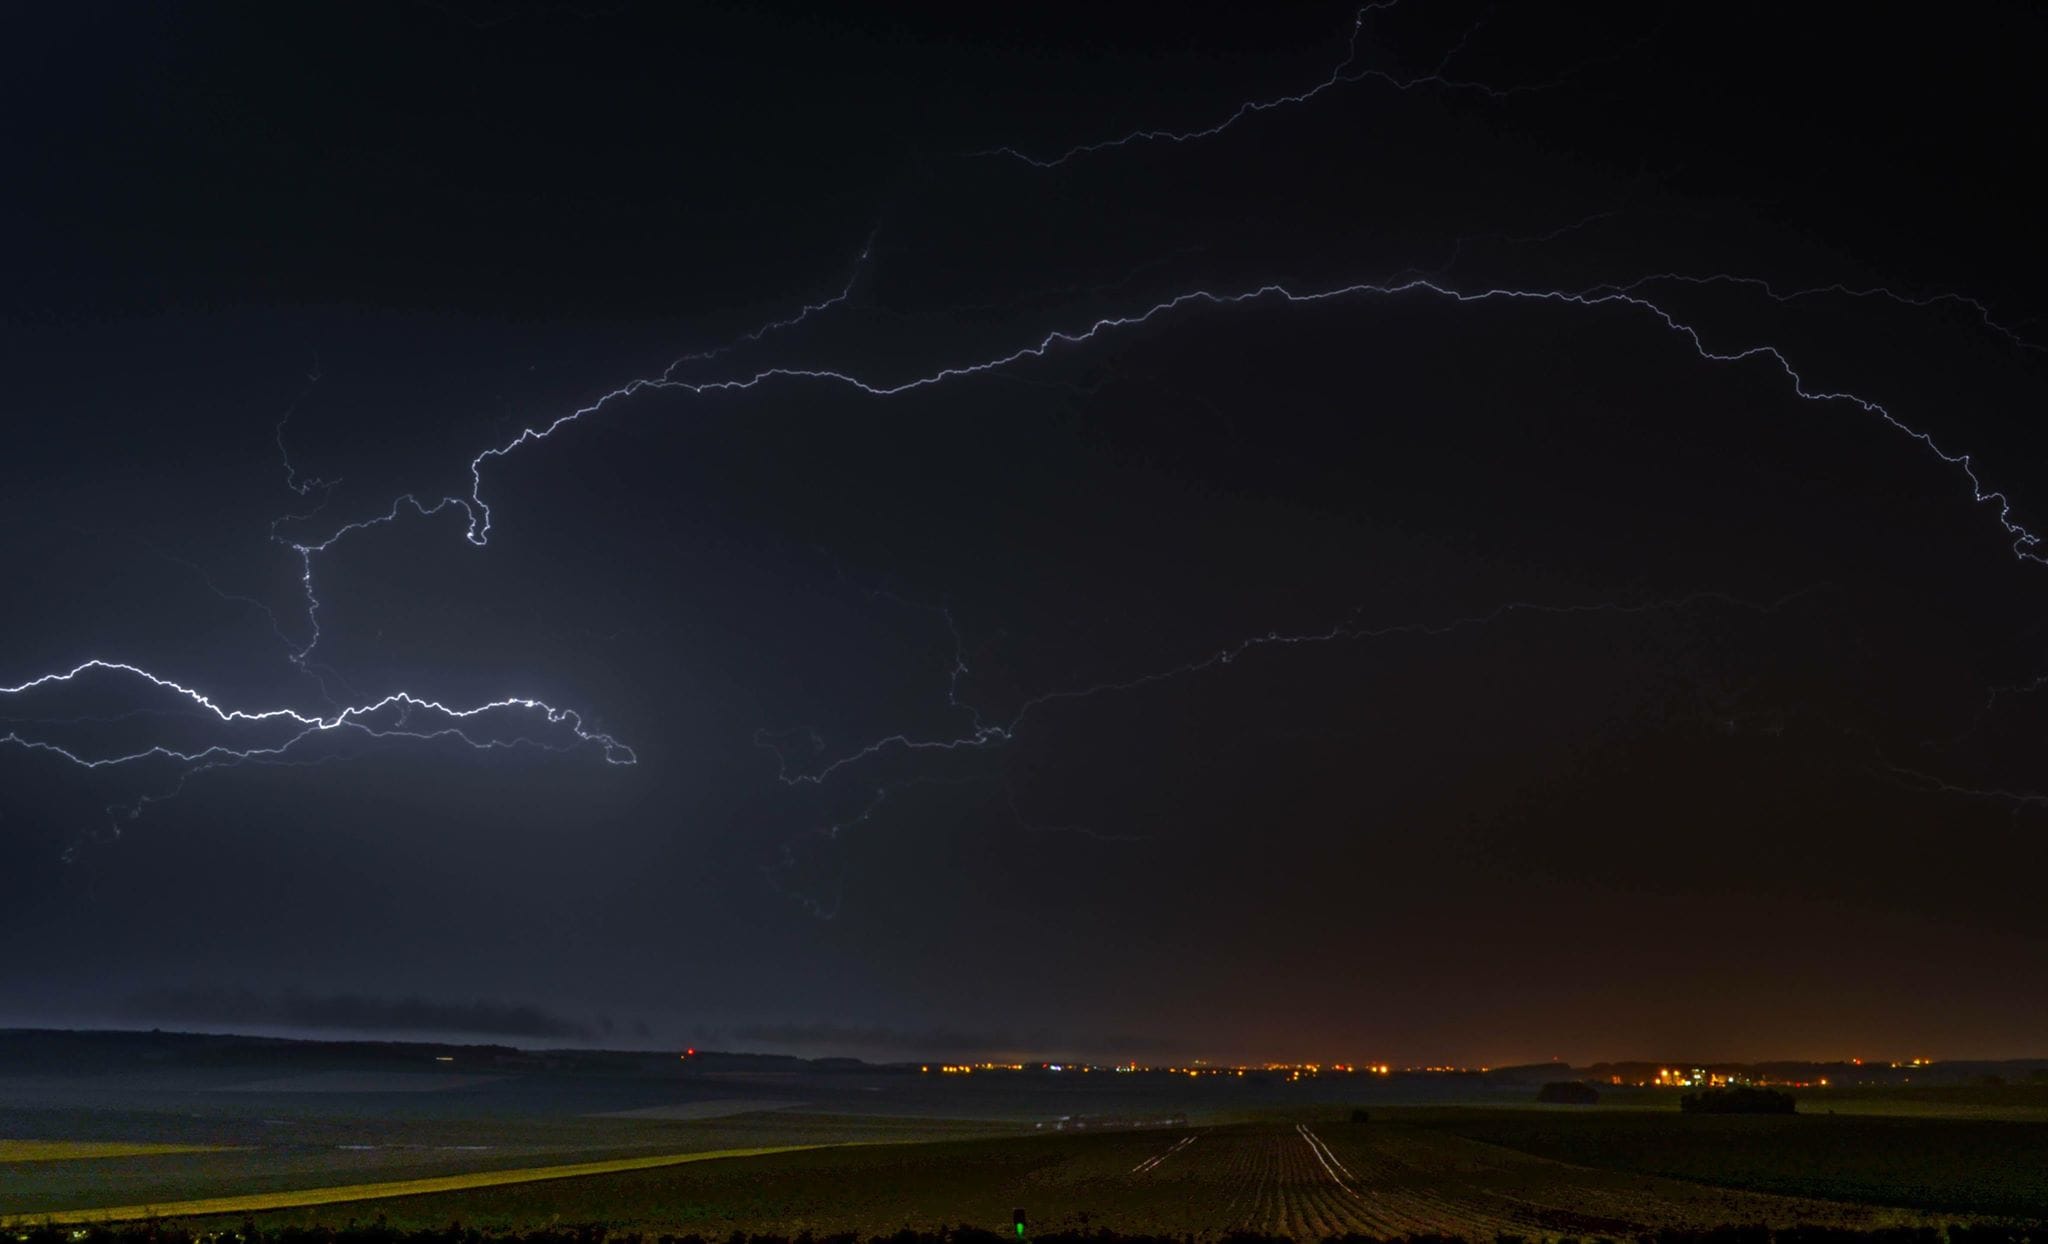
(1704,1077)
(1665,1077)
(1198,1069)
(1700,1077)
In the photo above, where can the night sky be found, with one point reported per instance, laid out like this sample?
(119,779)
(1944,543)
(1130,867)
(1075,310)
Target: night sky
(1458,667)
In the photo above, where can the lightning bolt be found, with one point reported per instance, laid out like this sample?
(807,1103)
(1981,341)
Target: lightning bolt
(303,486)
(1977,307)
(276,735)
(982,733)
(391,717)
(1346,72)
(476,511)
(1920,780)
(504,723)
(2023,541)
(386,718)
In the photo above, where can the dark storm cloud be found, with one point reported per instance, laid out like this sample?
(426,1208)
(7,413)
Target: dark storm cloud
(347,1013)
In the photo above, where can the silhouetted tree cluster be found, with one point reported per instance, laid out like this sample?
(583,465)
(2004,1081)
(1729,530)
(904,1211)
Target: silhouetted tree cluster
(1739,1100)
(1568,1093)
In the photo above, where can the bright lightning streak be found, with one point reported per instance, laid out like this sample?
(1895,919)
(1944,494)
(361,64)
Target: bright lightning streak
(299,726)
(2023,540)
(465,723)
(477,512)
(983,734)
(392,716)
(480,514)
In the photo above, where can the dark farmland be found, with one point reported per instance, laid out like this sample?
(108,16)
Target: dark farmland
(895,1147)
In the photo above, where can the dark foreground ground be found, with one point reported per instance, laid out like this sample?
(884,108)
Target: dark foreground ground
(296,1144)
(1303,1179)
(377,1233)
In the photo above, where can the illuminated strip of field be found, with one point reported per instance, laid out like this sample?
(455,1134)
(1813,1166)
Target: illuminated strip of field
(258,1202)
(66,1150)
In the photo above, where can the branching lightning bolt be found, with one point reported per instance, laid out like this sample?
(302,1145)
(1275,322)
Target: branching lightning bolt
(275,735)
(1346,72)
(1838,289)
(2024,541)
(982,733)
(305,485)
(295,726)
(395,716)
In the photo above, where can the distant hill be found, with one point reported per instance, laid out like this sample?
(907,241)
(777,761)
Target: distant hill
(74,1051)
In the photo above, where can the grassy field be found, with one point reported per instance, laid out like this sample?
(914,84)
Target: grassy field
(2019,1102)
(65,1150)
(296,1156)
(1305,1180)
(356,1193)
